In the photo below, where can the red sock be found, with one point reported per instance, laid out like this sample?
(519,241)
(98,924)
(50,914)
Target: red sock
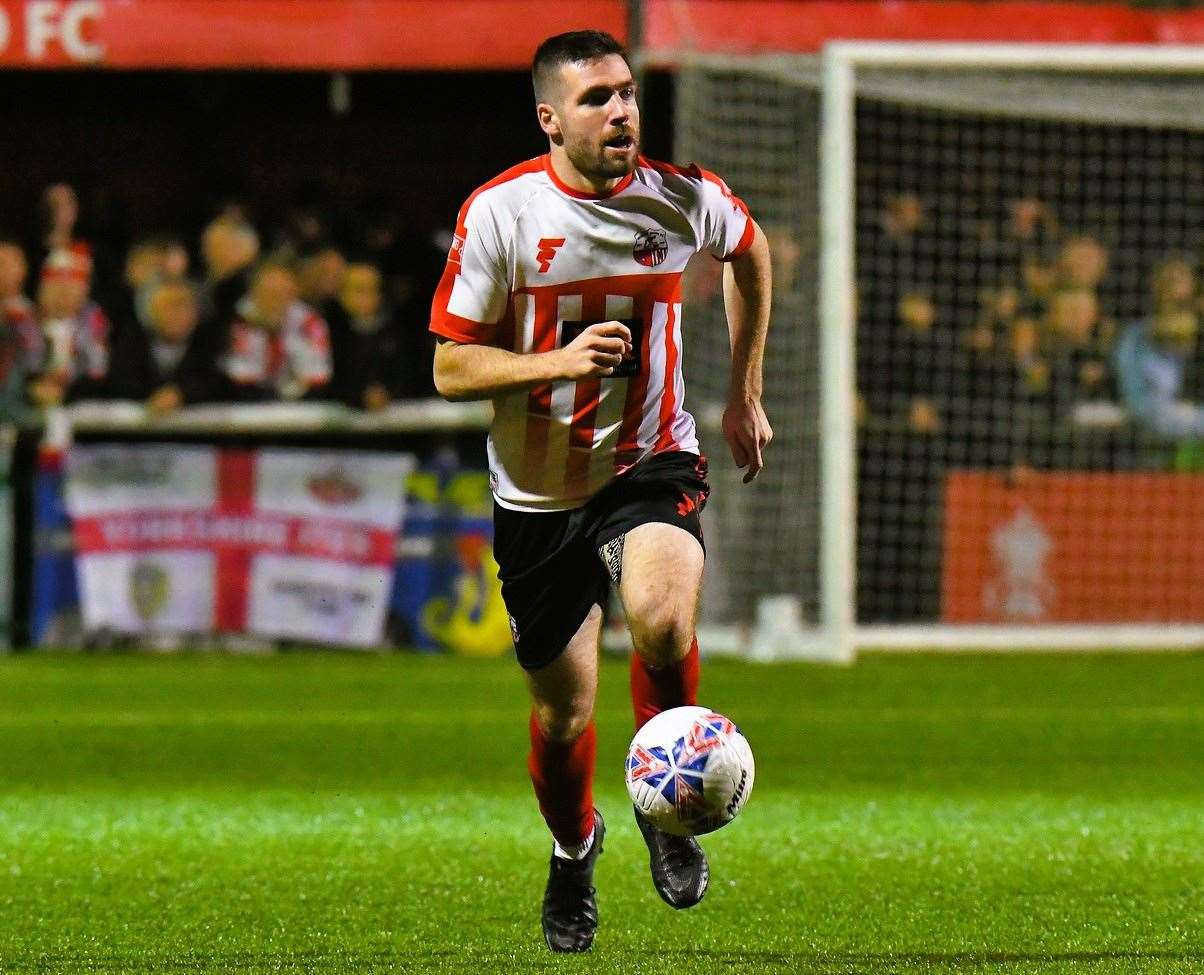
(662,688)
(563,776)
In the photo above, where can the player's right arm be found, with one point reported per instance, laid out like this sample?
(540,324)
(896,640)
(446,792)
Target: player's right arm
(470,371)
(472,299)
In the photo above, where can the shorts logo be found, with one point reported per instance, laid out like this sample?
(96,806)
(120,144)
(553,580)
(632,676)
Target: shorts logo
(612,555)
(651,247)
(513,628)
(686,505)
(547,252)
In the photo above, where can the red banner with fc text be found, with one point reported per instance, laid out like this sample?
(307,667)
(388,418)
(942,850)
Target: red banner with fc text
(351,35)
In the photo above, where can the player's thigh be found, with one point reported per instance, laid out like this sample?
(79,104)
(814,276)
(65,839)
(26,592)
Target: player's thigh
(551,579)
(659,586)
(564,691)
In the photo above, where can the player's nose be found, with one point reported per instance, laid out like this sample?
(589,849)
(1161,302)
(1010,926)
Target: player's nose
(620,112)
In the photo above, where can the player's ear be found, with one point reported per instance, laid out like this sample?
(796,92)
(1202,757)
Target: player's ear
(549,121)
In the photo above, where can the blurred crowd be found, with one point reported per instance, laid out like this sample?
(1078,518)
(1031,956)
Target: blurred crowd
(1009,343)
(1021,325)
(222,318)
(1031,326)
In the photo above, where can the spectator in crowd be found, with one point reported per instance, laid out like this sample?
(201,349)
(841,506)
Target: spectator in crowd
(999,388)
(998,309)
(229,247)
(60,207)
(1079,350)
(1173,285)
(1031,227)
(903,218)
(921,345)
(902,258)
(59,214)
(73,353)
(306,222)
(1152,357)
(278,348)
(372,366)
(147,260)
(1023,245)
(164,361)
(910,364)
(320,271)
(983,371)
(903,357)
(175,261)
(1082,263)
(1028,362)
(12,379)
(18,316)
(896,313)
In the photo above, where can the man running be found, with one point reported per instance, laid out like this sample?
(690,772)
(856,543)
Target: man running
(561,302)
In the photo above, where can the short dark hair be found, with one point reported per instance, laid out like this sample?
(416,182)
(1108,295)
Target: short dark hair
(570,48)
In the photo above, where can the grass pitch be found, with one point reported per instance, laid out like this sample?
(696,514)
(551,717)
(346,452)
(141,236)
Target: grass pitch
(344,814)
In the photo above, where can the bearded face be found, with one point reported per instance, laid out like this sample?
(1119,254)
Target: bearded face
(595,118)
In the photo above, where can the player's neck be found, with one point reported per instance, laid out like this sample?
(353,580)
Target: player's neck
(574,179)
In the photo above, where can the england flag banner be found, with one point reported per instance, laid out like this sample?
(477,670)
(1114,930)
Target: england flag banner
(293,544)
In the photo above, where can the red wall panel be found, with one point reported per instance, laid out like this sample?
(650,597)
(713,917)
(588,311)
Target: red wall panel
(1073,548)
(460,34)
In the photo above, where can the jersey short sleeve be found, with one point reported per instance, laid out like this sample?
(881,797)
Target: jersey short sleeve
(473,292)
(726,229)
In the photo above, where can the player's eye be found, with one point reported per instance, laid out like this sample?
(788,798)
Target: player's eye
(627,94)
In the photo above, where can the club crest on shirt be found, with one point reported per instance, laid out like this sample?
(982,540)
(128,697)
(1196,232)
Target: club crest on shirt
(651,247)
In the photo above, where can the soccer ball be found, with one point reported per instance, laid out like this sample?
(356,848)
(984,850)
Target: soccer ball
(689,771)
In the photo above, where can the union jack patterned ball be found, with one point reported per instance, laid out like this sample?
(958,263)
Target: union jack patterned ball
(689,771)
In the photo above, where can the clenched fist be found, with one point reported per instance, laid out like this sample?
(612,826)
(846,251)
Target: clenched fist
(596,352)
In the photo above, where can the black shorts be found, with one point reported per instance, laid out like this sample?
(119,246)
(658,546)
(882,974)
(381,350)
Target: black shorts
(555,565)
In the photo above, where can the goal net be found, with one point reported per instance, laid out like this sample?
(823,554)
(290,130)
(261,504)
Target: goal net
(984,371)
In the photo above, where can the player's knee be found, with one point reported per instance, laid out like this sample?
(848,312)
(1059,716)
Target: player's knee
(662,636)
(564,722)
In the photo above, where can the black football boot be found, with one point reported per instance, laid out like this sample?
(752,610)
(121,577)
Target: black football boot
(570,909)
(679,867)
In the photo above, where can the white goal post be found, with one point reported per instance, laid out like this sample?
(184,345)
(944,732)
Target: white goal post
(1120,86)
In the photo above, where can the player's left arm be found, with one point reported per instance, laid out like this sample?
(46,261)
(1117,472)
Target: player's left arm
(747,284)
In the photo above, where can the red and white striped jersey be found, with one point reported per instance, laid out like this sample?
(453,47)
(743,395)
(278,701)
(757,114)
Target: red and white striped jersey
(532,262)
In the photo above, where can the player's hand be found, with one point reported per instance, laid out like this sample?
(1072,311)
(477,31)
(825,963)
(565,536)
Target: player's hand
(596,352)
(748,433)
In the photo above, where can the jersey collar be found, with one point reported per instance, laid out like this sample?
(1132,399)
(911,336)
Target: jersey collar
(564,188)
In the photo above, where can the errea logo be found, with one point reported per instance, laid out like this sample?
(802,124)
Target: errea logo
(547,252)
